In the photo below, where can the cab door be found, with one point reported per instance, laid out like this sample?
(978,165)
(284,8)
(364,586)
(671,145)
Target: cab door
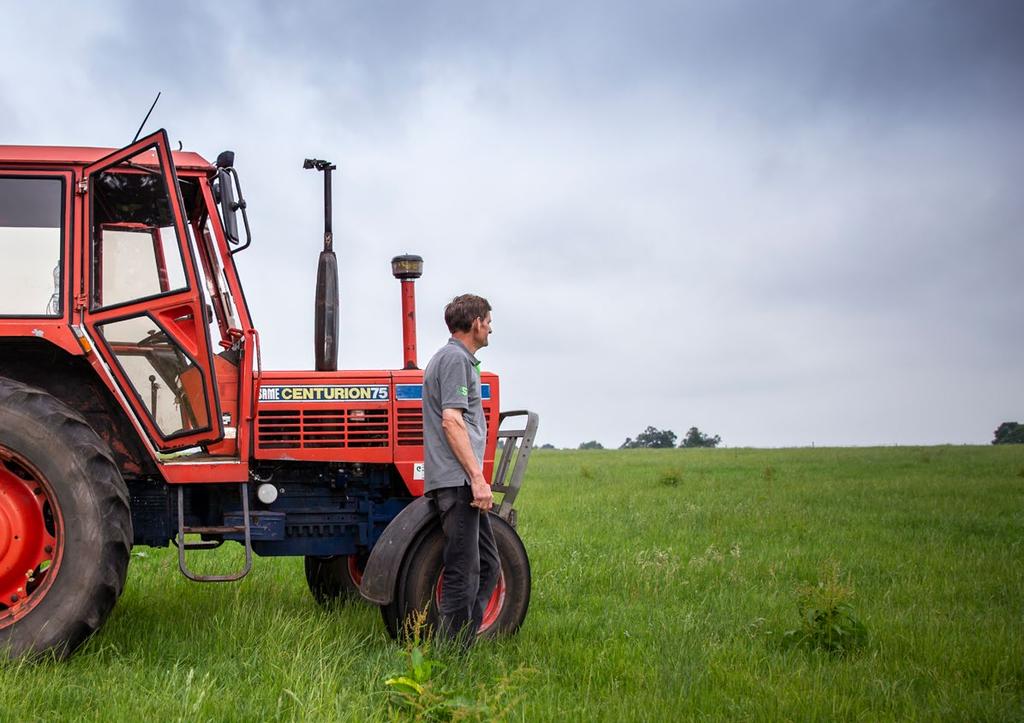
(143,301)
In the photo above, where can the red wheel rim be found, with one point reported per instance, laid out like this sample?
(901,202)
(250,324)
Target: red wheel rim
(31,538)
(494,605)
(355,570)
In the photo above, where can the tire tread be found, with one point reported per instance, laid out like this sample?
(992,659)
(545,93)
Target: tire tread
(110,493)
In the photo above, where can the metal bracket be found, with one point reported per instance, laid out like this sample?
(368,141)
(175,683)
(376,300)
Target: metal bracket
(514,448)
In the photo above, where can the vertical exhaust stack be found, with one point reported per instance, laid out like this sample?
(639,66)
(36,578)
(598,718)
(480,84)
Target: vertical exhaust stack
(407,269)
(325,324)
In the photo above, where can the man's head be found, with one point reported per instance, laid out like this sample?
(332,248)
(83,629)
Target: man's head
(469,320)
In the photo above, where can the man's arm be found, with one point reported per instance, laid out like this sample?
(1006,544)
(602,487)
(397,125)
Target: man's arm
(458,439)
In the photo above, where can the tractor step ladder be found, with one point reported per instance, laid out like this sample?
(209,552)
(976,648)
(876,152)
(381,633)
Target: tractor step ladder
(183,545)
(514,445)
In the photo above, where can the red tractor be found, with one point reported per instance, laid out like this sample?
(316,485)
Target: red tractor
(134,409)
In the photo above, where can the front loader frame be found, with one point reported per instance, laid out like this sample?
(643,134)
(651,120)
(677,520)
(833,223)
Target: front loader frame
(513,445)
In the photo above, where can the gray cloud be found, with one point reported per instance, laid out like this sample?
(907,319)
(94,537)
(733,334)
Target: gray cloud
(785,223)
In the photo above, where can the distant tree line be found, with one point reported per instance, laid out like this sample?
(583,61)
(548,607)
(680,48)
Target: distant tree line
(695,438)
(654,438)
(651,438)
(1009,433)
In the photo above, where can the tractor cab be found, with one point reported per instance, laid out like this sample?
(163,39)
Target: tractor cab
(119,258)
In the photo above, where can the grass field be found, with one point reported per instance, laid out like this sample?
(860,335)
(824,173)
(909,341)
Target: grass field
(664,581)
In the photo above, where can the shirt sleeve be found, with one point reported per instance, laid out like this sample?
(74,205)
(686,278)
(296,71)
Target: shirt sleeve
(453,384)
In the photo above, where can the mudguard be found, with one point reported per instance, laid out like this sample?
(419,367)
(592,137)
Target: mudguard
(381,573)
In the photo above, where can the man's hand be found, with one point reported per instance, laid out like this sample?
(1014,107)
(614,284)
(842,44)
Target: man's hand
(483,498)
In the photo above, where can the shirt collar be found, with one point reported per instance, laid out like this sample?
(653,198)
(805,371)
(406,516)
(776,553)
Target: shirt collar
(462,346)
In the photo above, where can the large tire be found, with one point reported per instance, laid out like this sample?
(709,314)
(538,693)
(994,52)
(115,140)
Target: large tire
(65,526)
(418,585)
(335,579)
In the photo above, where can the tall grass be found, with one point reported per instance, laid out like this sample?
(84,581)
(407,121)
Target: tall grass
(664,582)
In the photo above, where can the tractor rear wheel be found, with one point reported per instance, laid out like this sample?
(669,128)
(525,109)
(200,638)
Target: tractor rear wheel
(419,584)
(336,578)
(65,526)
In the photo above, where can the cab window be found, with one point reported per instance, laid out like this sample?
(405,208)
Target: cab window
(136,251)
(31,239)
(163,376)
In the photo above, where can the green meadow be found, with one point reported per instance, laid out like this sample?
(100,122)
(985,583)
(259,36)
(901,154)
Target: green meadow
(667,585)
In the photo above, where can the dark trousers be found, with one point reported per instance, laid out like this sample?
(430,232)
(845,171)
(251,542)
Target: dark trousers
(471,564)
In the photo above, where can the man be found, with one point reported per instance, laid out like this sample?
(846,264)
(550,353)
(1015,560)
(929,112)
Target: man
(454,432)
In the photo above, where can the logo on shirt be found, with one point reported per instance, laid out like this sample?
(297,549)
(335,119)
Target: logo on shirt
(464,391)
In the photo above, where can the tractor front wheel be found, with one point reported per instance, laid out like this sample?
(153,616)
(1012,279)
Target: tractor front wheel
(65,526)
(419,584)
(336,578)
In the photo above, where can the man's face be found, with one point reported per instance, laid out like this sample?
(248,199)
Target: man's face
(481,330)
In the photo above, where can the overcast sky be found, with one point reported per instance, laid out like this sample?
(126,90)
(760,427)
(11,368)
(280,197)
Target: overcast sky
(785,223)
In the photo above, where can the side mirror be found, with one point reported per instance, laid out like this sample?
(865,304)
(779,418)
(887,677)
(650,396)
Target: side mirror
(228,206)
(224,194)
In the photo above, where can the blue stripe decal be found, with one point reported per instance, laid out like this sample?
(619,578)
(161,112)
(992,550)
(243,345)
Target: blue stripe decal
(408,392)
(414,392)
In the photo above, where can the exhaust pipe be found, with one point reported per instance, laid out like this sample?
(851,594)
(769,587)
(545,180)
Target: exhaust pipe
(407,269)
(325,323)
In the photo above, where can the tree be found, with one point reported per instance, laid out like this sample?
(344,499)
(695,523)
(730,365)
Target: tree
(1009,433)
(547,446)
(696,438)
(592,444)
(651,438)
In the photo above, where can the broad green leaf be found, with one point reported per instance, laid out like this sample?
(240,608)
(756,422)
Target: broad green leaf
(417,665)
(405,684)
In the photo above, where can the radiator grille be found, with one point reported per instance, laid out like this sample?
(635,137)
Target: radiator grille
(409,423)
(319,428)
(409,426)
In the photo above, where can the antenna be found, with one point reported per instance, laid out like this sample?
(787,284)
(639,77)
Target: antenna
(138,132)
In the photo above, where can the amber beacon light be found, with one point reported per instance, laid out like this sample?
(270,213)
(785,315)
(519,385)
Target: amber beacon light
(407,268)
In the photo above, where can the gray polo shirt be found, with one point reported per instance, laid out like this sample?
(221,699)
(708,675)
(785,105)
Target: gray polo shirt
(450,381)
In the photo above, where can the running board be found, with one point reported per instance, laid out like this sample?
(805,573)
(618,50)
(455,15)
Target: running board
(513,444)
(182,545)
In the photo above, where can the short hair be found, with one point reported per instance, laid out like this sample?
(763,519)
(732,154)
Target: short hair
(463,309)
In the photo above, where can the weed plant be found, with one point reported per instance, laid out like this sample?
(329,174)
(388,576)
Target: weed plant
(827,618)
(671,477)
(422,692)
(417,690)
